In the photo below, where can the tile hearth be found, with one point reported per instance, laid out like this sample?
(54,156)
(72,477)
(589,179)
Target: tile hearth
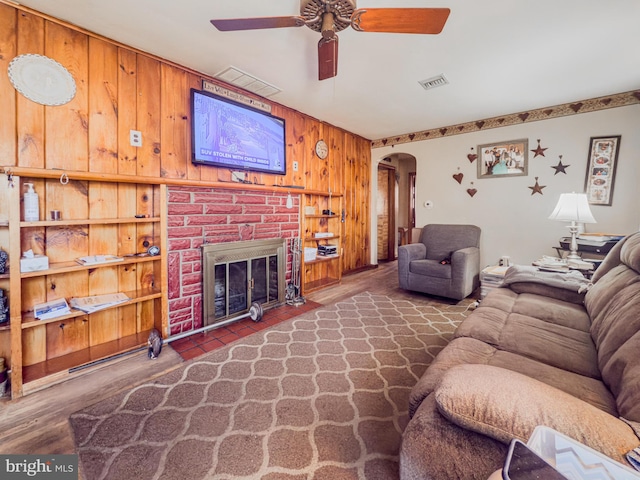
(200,343)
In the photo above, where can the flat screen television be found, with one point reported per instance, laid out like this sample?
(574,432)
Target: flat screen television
(235,136)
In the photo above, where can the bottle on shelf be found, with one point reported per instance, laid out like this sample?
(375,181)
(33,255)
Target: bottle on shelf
(31,205)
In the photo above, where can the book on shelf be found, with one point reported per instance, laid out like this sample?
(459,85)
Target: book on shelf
(98,259)
(52,309)
(94,303)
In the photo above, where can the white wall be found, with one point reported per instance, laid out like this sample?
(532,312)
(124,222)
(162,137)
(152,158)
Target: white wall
(514,222)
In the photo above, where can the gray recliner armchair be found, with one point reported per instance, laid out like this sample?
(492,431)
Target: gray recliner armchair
(445,262)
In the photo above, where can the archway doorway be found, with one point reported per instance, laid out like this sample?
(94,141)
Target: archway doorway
(404,205)
(386,212)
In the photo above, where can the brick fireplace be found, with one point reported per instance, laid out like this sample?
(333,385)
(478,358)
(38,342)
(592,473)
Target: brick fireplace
(199,215)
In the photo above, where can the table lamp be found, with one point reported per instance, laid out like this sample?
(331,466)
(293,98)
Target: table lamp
(574,208)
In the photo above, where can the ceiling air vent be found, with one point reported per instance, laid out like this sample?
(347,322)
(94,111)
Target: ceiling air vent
(433,82)
(241,79)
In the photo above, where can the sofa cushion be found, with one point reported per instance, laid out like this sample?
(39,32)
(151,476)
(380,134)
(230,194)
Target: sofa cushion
(544,329)
(503,404)
(463,350)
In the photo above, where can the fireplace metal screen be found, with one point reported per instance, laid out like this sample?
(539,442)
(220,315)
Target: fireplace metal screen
(236,274)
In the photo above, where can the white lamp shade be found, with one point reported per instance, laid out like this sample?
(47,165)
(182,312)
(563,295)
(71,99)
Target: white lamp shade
(573,207)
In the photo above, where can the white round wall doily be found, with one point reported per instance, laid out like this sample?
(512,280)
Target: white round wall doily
(41,79)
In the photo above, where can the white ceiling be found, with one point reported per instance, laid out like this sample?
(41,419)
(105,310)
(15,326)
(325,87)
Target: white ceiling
(500,56)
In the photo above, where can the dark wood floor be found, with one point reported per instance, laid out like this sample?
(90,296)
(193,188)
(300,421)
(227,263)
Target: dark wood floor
(38,423)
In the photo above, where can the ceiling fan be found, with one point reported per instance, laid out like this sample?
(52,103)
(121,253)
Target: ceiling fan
(331,16)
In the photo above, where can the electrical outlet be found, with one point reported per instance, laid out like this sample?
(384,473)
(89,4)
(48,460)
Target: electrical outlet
(295,166)
(135,138)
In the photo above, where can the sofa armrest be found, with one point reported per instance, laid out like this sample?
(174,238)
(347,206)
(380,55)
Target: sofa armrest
(503,404)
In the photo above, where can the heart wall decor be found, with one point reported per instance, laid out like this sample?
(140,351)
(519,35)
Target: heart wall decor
(472,156)
(458,177)
(472,191)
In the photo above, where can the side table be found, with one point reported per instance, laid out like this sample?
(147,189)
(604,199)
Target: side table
(491,277)
(575,460)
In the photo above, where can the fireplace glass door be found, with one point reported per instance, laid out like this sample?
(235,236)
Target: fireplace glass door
(237,277)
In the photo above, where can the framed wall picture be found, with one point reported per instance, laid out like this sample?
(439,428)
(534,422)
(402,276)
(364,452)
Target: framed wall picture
(601,169)
(503,159)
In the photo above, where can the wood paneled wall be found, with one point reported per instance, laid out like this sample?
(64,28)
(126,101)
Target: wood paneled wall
(120,89)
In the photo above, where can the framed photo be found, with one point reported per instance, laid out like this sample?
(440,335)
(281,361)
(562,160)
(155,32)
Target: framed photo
(601,169)
(503,159)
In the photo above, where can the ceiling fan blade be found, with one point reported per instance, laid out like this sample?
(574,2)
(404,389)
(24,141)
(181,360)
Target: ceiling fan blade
(400,20)
(232,24)
(327,57)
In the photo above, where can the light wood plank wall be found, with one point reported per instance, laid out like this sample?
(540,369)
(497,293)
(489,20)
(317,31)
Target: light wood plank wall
(121,89)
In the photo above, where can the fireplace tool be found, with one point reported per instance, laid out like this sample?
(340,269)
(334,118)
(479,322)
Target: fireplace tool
(292,295)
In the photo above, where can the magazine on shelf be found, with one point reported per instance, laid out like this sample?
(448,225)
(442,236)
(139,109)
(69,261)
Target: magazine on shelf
(98,259)
(52,309)
(94,303)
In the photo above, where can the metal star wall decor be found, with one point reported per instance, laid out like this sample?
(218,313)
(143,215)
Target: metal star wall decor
(560,167)
(537,188)
(539,150)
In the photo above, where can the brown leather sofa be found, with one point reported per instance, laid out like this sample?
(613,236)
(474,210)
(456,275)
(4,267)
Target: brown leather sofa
(540,351)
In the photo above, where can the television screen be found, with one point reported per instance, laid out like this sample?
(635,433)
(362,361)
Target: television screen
(235,136)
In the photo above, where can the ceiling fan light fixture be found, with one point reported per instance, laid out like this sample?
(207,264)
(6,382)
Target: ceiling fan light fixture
(434,82)
(238,78)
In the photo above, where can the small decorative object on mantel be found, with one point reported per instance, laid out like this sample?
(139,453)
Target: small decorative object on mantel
(539,150)
(458,176)
(537,188)
(602,165)
(472,156)
(471,191)
(560,167)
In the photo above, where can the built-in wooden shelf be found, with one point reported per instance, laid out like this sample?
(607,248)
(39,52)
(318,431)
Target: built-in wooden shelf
(128,219)
(73,361)
(317,239)
(321,258)
(29,321)
(88,221)
(66,267)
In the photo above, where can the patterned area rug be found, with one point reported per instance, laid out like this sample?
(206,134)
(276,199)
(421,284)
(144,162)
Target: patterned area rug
(321,396)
